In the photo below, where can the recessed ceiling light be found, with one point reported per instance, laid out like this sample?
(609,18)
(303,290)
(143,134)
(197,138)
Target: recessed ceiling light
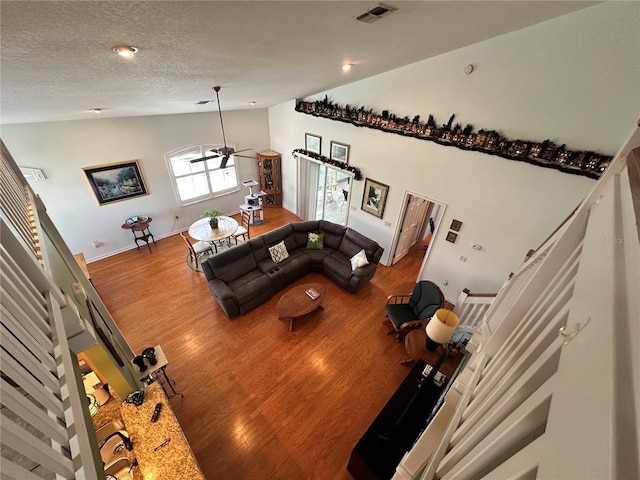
(125,50)
(252,103)
(96,110)
(346,67)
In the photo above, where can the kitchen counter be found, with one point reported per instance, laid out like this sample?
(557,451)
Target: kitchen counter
(174,459)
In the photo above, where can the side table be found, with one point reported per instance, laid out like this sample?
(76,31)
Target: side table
(141,226)
(415,343)
(158,372)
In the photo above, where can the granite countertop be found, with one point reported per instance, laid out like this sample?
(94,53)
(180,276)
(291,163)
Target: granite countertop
(174,459)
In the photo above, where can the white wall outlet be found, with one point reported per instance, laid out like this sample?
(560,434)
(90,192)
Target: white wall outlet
(475,246)
(445,282)
(352,208)
(462,258)
(96,243)
(387,224)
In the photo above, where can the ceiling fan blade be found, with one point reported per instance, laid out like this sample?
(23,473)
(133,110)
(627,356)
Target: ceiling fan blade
(244,150)
(202,159)
(245,156)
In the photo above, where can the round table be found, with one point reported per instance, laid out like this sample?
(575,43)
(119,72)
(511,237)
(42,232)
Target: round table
(295,302)
(202,231)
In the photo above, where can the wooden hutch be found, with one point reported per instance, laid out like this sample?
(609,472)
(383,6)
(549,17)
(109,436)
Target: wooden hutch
(270,173)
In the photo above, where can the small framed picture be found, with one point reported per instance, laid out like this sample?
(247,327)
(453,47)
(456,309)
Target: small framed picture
(374,197)
(339,152)
(455,225)
(116,181)
(312,143)
(451,237)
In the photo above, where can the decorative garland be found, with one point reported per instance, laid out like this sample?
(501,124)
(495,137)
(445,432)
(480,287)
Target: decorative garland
(544,154)
(357,175)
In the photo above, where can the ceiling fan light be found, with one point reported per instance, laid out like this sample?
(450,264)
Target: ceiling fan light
(346,67)
(126,51)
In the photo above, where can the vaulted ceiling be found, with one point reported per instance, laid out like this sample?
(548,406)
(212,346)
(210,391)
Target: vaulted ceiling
(57,60)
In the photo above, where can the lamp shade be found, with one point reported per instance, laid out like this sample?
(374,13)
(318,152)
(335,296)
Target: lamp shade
(94,406)
(441,326)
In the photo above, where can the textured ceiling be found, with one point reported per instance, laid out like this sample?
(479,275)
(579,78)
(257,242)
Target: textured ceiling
(56,58)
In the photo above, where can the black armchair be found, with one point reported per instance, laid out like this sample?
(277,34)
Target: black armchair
(406,312)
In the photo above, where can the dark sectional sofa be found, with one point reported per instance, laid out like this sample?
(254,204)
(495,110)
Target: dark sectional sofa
(245,276)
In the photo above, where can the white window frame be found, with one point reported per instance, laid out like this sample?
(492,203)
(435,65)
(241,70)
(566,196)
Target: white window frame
(208,167)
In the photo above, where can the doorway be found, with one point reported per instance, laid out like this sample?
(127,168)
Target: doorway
(419,221)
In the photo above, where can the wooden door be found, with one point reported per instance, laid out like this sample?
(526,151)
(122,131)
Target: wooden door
(413,218)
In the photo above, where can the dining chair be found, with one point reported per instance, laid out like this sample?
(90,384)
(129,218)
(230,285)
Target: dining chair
(196,249)
(243,229)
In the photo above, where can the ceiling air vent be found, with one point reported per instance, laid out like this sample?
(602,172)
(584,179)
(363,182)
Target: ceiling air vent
(203,102)
(375,13)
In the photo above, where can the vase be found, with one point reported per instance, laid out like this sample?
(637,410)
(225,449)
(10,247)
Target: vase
(214,224)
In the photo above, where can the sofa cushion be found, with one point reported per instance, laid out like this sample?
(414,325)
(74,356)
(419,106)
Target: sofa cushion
(315,241)
(333,234)
(233,263)
(296,265)
(359,260)
(317,256)
(302,229)
(247,286)
(278,252)
(259,249)
(337,267)
(279,234)
(353,242)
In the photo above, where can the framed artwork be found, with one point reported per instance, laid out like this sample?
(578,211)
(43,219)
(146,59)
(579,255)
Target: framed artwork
(455,225)
(116,181)
(374,197)
(339,152)
(451,237)
(312,143)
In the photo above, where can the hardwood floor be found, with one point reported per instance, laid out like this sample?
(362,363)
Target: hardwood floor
(260,402)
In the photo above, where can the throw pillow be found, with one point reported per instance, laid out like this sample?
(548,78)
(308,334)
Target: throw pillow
(279,252)
(315,241)
(359,260)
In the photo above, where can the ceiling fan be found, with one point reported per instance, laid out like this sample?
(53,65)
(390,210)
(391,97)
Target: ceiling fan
(224,152)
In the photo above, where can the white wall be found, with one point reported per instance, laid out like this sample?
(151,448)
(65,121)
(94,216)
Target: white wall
(61,149)
(573,80)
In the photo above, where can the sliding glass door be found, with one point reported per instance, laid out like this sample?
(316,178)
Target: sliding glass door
(323,192)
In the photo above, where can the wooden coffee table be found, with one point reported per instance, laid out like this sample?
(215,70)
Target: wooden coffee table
(295,302)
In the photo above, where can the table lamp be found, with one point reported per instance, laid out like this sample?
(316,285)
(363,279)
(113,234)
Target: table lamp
(440,328)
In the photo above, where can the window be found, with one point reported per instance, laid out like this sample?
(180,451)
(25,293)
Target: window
(194,182)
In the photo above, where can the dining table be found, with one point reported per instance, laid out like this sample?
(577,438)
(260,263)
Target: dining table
(202,231)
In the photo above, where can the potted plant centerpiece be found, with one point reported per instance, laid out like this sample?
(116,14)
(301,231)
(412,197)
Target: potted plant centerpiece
(213,217)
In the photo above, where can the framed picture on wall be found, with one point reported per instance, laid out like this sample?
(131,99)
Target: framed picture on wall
(374,197)
(339,152)
(455,225)
(114,182)
(451,237)
(312,143)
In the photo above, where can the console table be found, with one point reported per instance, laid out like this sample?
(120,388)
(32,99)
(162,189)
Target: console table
(396,427)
